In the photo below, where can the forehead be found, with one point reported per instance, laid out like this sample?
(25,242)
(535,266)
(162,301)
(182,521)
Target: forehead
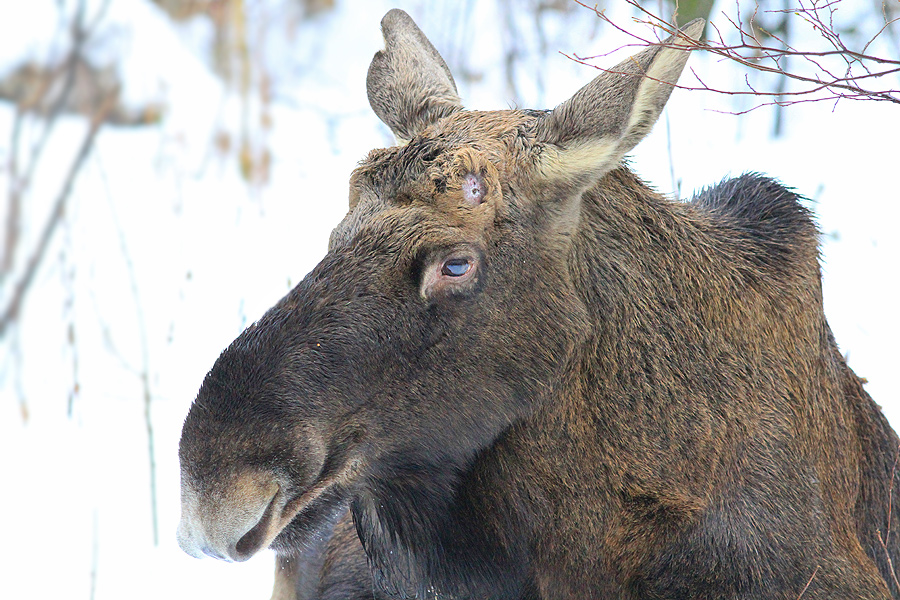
(410,176)
(499,136)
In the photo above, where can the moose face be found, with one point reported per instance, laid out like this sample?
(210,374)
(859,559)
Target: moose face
(441,315)
(436,320)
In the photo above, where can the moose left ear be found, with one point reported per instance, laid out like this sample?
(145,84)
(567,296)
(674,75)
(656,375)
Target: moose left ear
(409,85)
(589,134)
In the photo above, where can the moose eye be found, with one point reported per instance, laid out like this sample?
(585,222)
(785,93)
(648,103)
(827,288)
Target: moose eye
(456,273)
(456,267)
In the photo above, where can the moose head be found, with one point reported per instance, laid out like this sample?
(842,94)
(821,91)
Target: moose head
(443,313)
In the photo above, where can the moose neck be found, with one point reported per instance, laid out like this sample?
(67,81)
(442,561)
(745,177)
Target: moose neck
(432,531)
(689,302)
(443,523)
(681,312)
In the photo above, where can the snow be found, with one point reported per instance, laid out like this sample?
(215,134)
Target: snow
(166,253)
(32,35)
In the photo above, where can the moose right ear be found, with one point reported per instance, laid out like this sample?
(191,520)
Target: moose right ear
(409,85)
(589,134)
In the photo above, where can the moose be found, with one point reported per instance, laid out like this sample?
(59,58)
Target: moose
(519,372)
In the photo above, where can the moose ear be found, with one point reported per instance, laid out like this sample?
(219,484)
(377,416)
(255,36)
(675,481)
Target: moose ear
(409,85)
(587,135)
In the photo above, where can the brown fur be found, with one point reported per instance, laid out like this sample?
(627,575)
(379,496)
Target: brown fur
(562,386)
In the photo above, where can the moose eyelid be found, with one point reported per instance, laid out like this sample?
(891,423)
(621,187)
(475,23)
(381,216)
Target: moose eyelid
(452,272)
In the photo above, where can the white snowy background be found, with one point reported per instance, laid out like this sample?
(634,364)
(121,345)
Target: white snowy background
(166,252)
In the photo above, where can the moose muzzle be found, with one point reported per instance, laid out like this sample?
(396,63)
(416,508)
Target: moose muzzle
(232,522)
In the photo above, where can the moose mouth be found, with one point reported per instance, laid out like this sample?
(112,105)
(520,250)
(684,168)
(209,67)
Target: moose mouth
(295,525)
(259,513)
(290,525)
(310,523)
(251,542)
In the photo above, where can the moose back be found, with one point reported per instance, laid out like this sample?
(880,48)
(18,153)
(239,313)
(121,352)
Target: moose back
(524,374)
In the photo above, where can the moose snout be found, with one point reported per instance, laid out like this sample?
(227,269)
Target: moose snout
(230,523)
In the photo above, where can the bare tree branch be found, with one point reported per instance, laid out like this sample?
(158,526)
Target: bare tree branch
(142,372)
(861,71)
(54,92)
(20,182)
(11,311)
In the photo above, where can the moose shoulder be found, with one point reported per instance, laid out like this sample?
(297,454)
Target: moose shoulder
(527,375)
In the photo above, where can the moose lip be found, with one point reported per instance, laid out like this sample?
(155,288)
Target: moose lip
(303,516)
(252,541)
(287,520)
(310,524)
(280,511)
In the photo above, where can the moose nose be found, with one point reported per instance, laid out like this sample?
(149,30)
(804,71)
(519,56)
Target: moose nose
(231,523)
(196,546)
(189,544)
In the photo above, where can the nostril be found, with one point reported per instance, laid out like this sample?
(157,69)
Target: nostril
(251,541)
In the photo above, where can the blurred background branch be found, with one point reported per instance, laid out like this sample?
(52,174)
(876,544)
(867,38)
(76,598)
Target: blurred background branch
(760,37)
(48,95)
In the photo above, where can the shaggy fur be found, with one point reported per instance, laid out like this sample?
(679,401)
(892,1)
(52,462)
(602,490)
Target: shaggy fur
(562,386)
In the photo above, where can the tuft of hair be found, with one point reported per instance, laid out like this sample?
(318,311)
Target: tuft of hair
(766,213)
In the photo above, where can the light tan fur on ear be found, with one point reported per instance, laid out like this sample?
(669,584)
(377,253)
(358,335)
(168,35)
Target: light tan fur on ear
(589,134)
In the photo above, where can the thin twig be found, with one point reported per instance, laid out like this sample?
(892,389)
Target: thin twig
(11,311)
(95,552)
(822,84)
(143,372)
(887,537)
(887,556)
(14,210)
(808,583)
(19,182)
(68,70)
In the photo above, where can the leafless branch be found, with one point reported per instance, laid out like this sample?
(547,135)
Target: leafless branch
(19,182)
(858,80)
(54,91)
(68,276)
(95,552)
(143,371)
(14,305)
(144,376)
(14,207)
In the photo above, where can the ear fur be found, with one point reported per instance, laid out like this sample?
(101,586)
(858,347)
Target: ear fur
(589,134)
(409,85)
